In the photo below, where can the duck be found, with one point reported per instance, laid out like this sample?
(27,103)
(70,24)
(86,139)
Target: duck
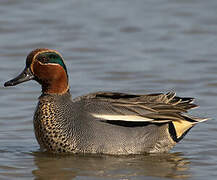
(102,122)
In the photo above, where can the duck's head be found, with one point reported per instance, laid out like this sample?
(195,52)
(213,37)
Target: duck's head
(47,67)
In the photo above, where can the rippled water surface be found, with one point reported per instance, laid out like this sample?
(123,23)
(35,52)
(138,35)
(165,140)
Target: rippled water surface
(139,46)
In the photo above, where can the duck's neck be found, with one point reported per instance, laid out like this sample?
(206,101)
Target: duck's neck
(53,78)
(55,87)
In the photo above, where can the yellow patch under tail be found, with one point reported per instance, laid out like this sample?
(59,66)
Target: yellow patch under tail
(182,126)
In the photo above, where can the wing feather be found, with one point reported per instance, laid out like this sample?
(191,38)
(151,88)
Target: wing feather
(152,108)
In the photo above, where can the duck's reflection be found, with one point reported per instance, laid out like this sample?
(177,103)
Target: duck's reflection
(171,165)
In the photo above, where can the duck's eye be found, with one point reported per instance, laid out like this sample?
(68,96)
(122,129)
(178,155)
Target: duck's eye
(47,58)
(43,59)
(51,58)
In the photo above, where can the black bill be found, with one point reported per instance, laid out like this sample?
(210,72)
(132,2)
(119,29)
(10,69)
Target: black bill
(26,75)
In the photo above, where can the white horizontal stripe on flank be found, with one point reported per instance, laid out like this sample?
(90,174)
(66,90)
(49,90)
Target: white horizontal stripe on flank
(122,117)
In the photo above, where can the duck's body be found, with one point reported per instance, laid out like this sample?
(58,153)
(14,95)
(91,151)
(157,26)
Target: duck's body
(65,125)
(103,122)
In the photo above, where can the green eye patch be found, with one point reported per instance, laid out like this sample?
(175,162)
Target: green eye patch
(51,57)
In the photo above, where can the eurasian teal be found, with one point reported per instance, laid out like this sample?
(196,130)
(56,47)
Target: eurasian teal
(102,122)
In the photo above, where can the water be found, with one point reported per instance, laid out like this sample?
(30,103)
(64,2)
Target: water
(129,46)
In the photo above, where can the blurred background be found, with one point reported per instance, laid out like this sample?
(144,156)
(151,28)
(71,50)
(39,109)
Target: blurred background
(140,46)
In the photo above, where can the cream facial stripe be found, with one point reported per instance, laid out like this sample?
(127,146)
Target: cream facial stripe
(44,51)
(131,118)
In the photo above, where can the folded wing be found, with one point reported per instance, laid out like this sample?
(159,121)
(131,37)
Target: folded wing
(141,110)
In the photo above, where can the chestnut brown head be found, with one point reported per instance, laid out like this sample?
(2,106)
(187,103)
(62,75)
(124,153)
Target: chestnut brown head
(47,67)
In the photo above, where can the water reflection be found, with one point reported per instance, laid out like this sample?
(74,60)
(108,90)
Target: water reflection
(171,165)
